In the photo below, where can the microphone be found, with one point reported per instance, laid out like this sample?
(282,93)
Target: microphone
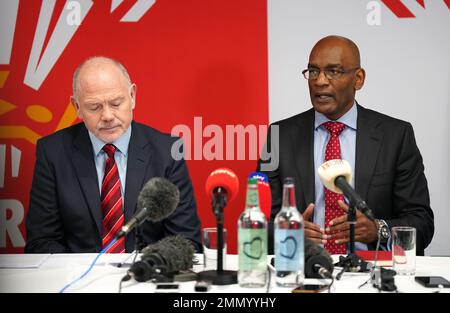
(157,200)
(264,192)
(336,176)
(318,262)
(222,186)
(163,259)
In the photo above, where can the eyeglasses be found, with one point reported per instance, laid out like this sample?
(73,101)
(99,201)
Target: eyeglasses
(331,73)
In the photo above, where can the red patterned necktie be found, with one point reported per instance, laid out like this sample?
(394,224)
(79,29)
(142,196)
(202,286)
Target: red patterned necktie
(111,203)
(332,209)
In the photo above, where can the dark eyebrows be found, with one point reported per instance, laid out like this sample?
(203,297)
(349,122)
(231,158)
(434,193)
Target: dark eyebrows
(327,66)
(333,66)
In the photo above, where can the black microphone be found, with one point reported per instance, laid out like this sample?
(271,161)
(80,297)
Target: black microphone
(336,175)
(157,200)
(353,197)
(318,262)
(163,259)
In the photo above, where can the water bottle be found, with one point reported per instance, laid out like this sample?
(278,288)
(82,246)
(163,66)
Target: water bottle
(289,240)
(252,241)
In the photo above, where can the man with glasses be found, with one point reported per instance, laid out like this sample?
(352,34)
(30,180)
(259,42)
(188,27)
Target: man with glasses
(387,167)
(88,177)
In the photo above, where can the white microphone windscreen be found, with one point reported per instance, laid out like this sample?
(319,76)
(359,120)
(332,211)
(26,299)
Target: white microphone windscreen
(331,169)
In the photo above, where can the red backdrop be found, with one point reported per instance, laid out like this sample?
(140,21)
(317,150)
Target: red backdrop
(188,58)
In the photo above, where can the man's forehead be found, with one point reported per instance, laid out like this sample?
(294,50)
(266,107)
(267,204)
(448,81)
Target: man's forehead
(332,50)
(100,81)
(100,70)
(101,94)
(331,56)
(104,71)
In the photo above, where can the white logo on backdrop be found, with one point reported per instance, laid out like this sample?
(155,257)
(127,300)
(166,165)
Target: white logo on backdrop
(41,62)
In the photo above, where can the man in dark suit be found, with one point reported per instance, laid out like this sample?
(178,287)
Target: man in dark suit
(385,160)
(82,192)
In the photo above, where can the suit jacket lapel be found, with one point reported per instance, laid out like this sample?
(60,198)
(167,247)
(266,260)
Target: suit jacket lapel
(302,139)
(368,141)
(83,160)
(138,160)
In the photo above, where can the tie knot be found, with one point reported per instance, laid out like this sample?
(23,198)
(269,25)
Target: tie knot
(335,128)
(110,149)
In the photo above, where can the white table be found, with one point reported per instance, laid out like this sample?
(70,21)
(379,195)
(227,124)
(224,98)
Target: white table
(59,269)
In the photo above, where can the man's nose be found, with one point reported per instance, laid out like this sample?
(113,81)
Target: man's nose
(107,114)
(321,80)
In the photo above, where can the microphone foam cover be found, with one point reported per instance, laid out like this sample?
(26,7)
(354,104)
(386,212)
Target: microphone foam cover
(316,254)
(160,197)
(223,177)
(177,251)
(264,192)
(331,169)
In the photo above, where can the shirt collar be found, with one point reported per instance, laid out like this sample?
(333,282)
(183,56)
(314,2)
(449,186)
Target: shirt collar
(349,119)
(121,143)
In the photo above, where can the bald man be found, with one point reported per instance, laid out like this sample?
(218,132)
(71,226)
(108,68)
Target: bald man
(87,177)
(387,167)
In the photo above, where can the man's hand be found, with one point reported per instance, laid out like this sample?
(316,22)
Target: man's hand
(365,229)
(313,231)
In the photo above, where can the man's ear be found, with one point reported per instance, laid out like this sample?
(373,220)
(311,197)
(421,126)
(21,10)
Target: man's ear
(133,95)
(360,78)
(76,106)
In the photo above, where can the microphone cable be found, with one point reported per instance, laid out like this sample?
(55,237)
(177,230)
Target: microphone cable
(127,276)
(90,267)
(372,270)
(385,283)
(125,261)
(344,269)
(326,275)
(138,243)
(331,284)
(269,266)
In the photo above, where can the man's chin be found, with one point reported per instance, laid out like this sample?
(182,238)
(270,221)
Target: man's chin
(109,135)
(325,108)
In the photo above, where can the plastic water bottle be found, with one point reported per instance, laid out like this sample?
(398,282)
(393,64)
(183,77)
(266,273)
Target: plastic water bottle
(289,240)
(252,241)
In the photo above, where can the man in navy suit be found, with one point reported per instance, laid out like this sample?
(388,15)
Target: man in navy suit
(386,163)
(65,212)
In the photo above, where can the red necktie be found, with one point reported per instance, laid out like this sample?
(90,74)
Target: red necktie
(332,209)
(111,203)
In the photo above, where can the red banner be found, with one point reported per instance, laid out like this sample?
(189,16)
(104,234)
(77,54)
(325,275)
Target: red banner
(189,59)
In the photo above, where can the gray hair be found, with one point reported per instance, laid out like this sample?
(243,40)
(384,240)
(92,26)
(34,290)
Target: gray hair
(96,58)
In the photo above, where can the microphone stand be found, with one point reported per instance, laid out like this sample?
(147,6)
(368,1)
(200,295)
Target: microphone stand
(139,244)
(219,276)
(351,262)
(351,219)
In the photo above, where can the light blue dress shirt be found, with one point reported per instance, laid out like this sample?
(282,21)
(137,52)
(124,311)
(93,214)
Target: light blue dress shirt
(120,157)
(348,152)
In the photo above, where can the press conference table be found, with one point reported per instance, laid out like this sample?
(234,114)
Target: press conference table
(50,273)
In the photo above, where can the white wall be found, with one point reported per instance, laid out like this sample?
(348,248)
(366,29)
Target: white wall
(407,66)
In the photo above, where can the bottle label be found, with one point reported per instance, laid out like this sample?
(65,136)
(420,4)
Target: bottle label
(252,197)
(252,249)
(289,250)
